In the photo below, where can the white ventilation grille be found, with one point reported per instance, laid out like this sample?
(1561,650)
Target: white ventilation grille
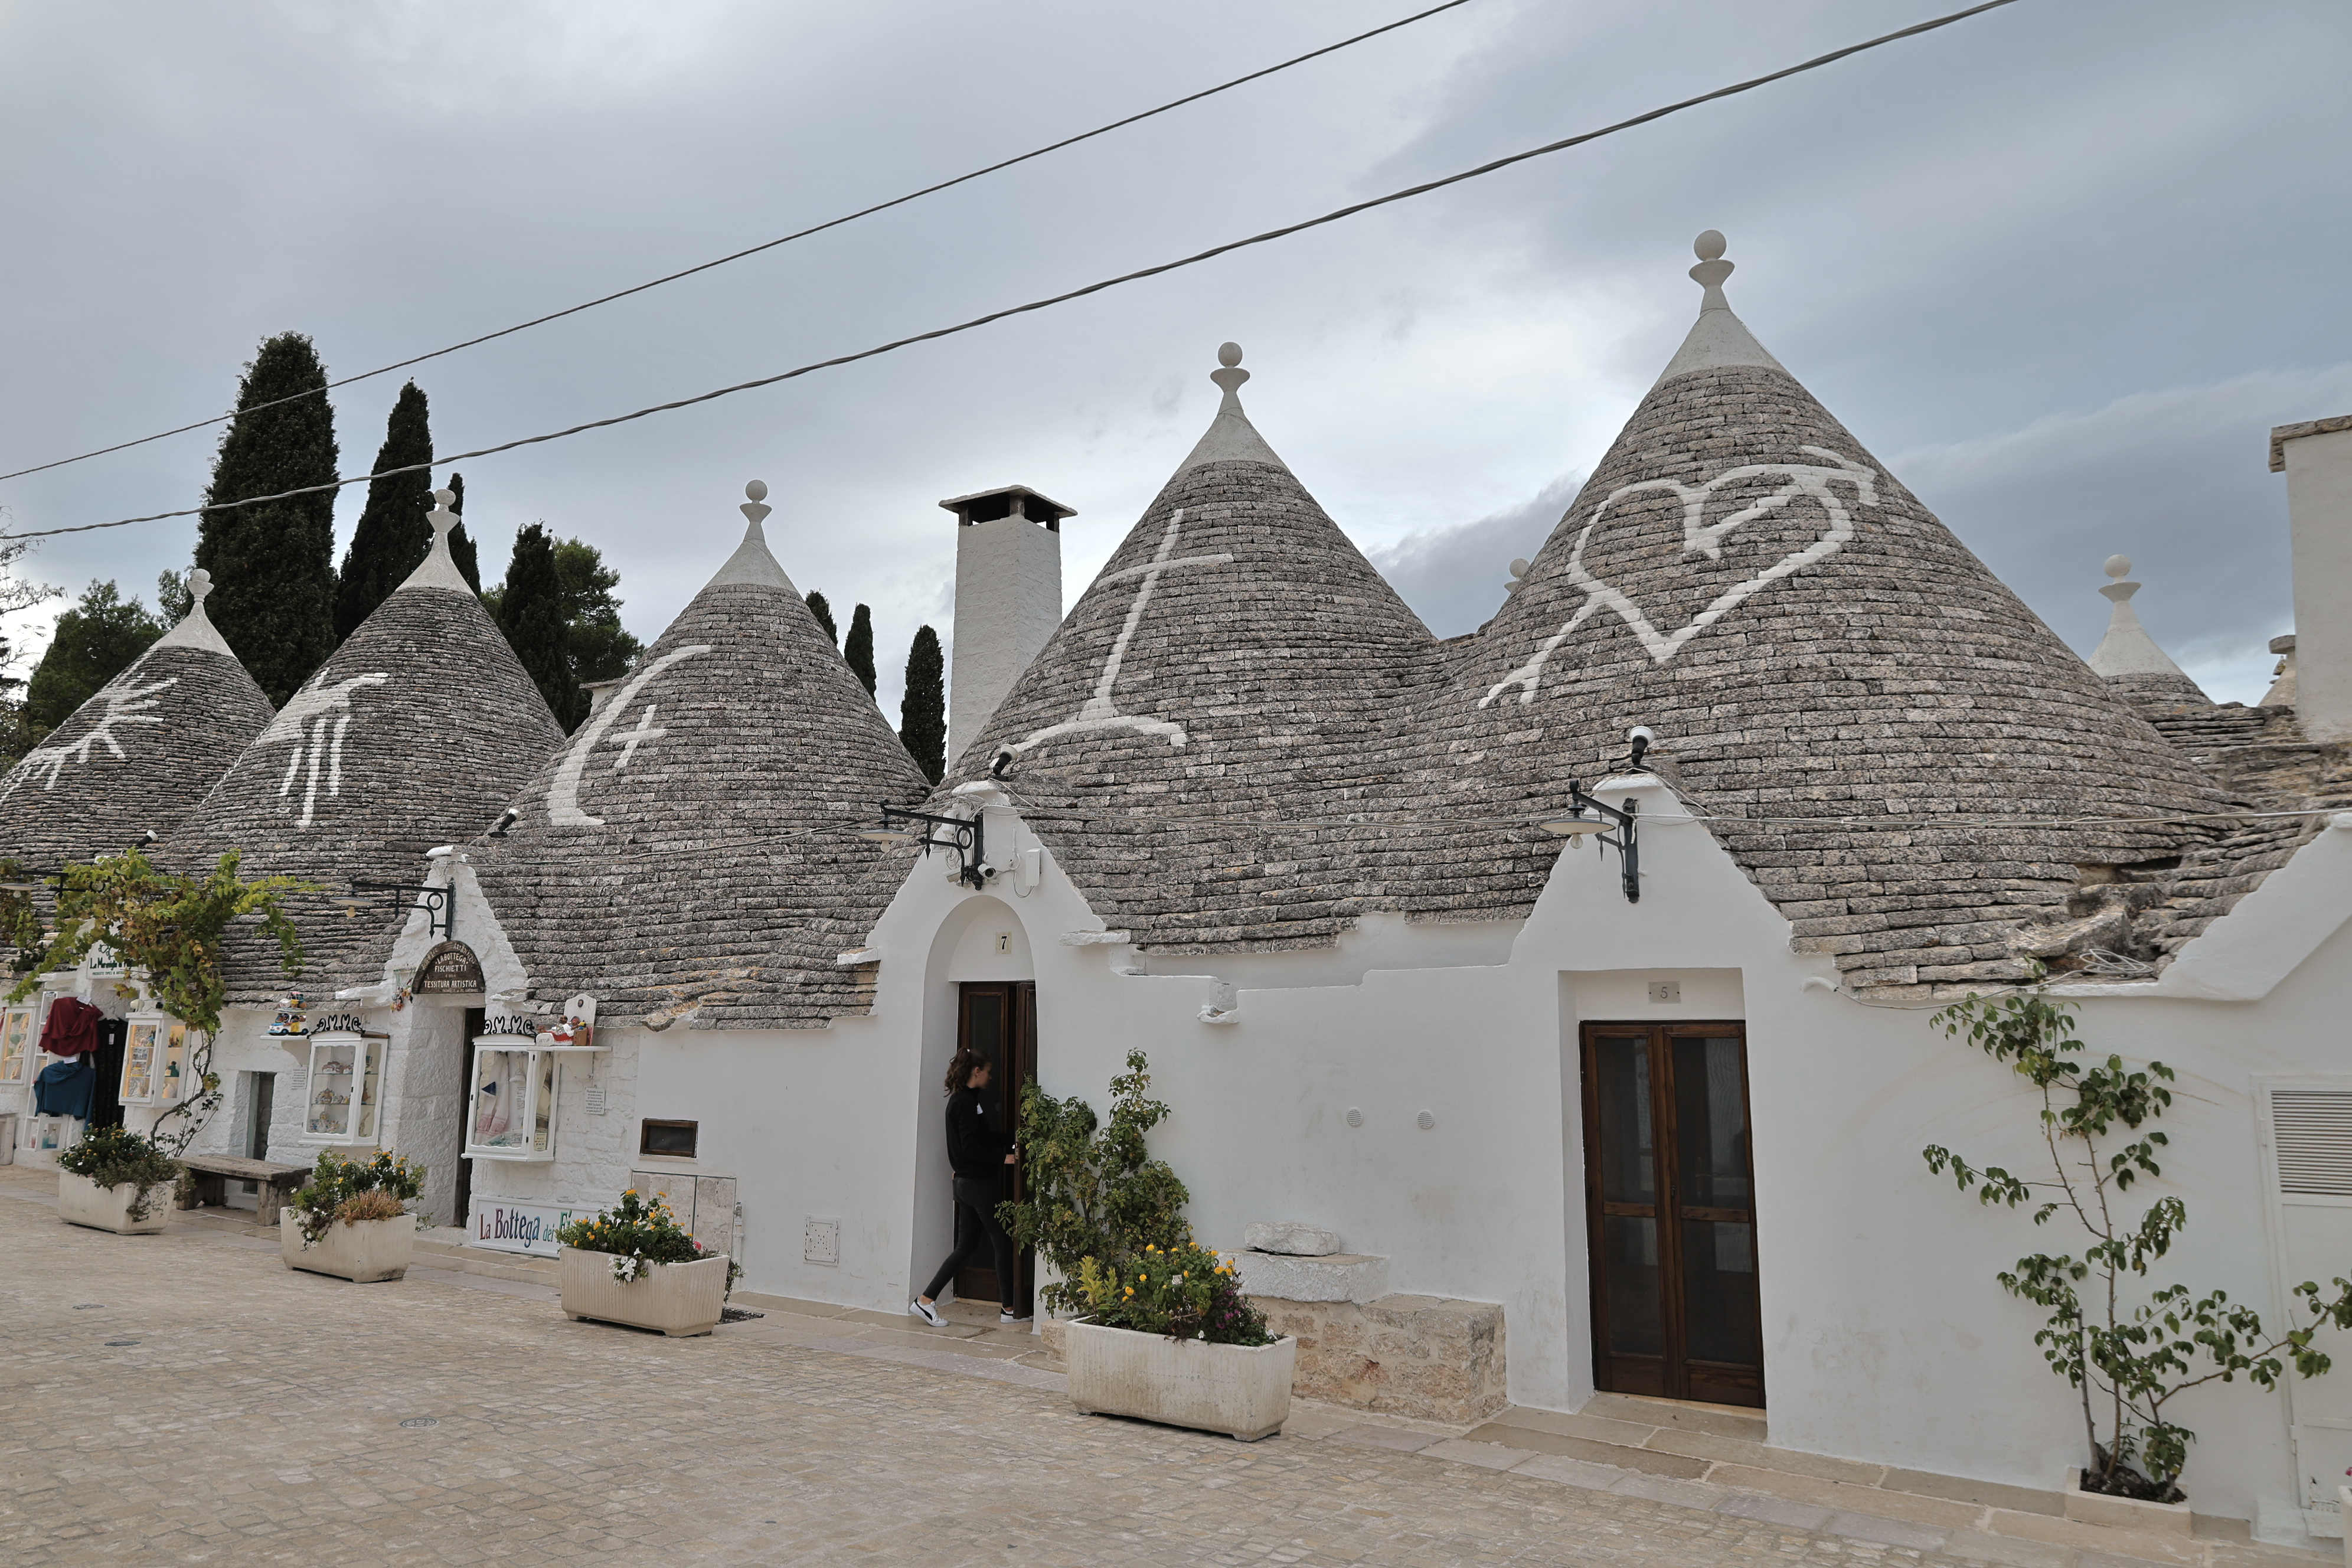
(2314,1127)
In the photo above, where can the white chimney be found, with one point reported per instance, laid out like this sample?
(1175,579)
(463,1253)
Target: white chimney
(2317,457)
(1008,599)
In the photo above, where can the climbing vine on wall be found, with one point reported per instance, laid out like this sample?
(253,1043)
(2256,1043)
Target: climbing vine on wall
(172,927)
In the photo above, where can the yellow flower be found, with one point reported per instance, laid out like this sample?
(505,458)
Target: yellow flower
(1145,1277)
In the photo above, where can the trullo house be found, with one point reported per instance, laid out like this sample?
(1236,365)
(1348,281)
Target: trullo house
(1576,973)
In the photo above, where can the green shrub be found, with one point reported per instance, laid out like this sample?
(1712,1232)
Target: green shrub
(637,1233)
(338,1186)
(1095,1194)
(114,1155)
(1186,1292)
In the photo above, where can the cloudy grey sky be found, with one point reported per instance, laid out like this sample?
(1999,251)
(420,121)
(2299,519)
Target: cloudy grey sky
(2061,268)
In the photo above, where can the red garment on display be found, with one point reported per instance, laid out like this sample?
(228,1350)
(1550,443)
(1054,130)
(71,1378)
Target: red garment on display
(72,1028)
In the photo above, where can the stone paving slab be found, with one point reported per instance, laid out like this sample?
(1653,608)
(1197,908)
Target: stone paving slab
(259,1415)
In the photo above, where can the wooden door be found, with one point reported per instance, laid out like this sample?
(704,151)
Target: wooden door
(1671,1212)
(997,1019)
(461,1194)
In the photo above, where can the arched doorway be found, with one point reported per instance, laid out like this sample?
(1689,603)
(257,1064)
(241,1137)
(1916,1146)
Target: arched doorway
(981,994)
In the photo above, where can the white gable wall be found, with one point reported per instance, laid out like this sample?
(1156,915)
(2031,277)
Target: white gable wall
(1886,1336)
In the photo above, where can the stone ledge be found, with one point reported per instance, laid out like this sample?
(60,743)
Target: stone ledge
(1353,1277)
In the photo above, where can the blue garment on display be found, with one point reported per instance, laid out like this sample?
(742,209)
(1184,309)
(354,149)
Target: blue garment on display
(64,1088)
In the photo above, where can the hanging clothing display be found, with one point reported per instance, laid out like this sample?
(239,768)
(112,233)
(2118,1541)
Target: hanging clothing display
(64,1088)
(71,1028)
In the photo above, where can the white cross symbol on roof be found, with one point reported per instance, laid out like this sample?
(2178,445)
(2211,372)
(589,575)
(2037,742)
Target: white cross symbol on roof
(630,740)
(1099,712)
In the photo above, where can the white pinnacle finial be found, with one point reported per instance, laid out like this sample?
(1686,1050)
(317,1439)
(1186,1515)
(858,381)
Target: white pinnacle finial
(2118,567)
(1229,374)
(753,563)
(439,569)
(1712,269)
(200,585)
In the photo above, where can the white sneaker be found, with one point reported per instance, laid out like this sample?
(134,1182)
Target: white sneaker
(1010,1316)
(923,1309)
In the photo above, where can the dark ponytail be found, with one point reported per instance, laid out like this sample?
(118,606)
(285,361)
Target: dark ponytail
(967,1062)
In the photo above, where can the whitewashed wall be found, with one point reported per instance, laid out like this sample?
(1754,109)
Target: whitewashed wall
(1886,1336)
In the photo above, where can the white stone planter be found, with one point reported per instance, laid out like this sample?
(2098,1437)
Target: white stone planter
(1243,1390)
(678,1299)
(81,1201)
(370,1250)
(2123,1512)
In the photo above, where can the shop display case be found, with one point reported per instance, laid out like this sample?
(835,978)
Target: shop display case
(156,1068)
(19,1030)
(511,1114)
(345,1091)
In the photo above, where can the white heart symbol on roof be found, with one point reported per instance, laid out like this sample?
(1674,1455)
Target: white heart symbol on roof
(1703,537)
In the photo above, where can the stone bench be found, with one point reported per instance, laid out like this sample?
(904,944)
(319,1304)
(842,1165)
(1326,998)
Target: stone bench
(1425,1356)
(213,1173)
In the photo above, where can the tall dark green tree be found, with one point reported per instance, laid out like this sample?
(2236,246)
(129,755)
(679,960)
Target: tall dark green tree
(601,647)
(391,535)
(824,614)
(859,649)
(461,544)
(530,613)
(923,713)
(273,565)
(95,641)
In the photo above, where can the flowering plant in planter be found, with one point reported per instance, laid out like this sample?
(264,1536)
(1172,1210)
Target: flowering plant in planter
(638,1235)
(111,1156)
(354,1190)
(1186,1292)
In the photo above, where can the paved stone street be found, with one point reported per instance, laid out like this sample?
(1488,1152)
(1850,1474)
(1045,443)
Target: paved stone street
(184,1398)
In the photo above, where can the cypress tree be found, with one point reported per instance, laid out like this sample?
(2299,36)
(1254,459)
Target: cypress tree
(530,613)
(923,715)
(94,642)
(601,647)
(859,649)
(824,614)
(392,536)
(461,547)
(273,565)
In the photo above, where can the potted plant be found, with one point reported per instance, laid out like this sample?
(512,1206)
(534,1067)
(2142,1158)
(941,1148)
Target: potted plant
(351,1219)
(1167,1336)
(635,1264)
(2127,1345)
(109,1181)
(1163,1332)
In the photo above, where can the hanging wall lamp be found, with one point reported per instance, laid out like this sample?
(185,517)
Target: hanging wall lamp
(963,837)
(439,904)
(1627,843)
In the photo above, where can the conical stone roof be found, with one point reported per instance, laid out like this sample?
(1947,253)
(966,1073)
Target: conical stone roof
(139,754)
(415,733)
(1817,656)
(690,850)
(1237,667)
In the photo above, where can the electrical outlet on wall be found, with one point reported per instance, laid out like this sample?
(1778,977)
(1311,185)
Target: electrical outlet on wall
(1666,990)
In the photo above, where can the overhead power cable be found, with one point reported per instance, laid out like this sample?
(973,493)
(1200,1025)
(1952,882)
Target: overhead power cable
(1816,63)
(769,244)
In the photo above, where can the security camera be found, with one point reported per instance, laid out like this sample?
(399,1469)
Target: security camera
(1640,738)
(507,819)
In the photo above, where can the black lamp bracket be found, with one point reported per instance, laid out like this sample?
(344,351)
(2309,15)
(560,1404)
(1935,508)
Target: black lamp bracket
(1627,842)
(963,839)
(439,904)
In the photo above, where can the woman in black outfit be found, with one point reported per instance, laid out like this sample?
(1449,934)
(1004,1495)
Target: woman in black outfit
(979,1153)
